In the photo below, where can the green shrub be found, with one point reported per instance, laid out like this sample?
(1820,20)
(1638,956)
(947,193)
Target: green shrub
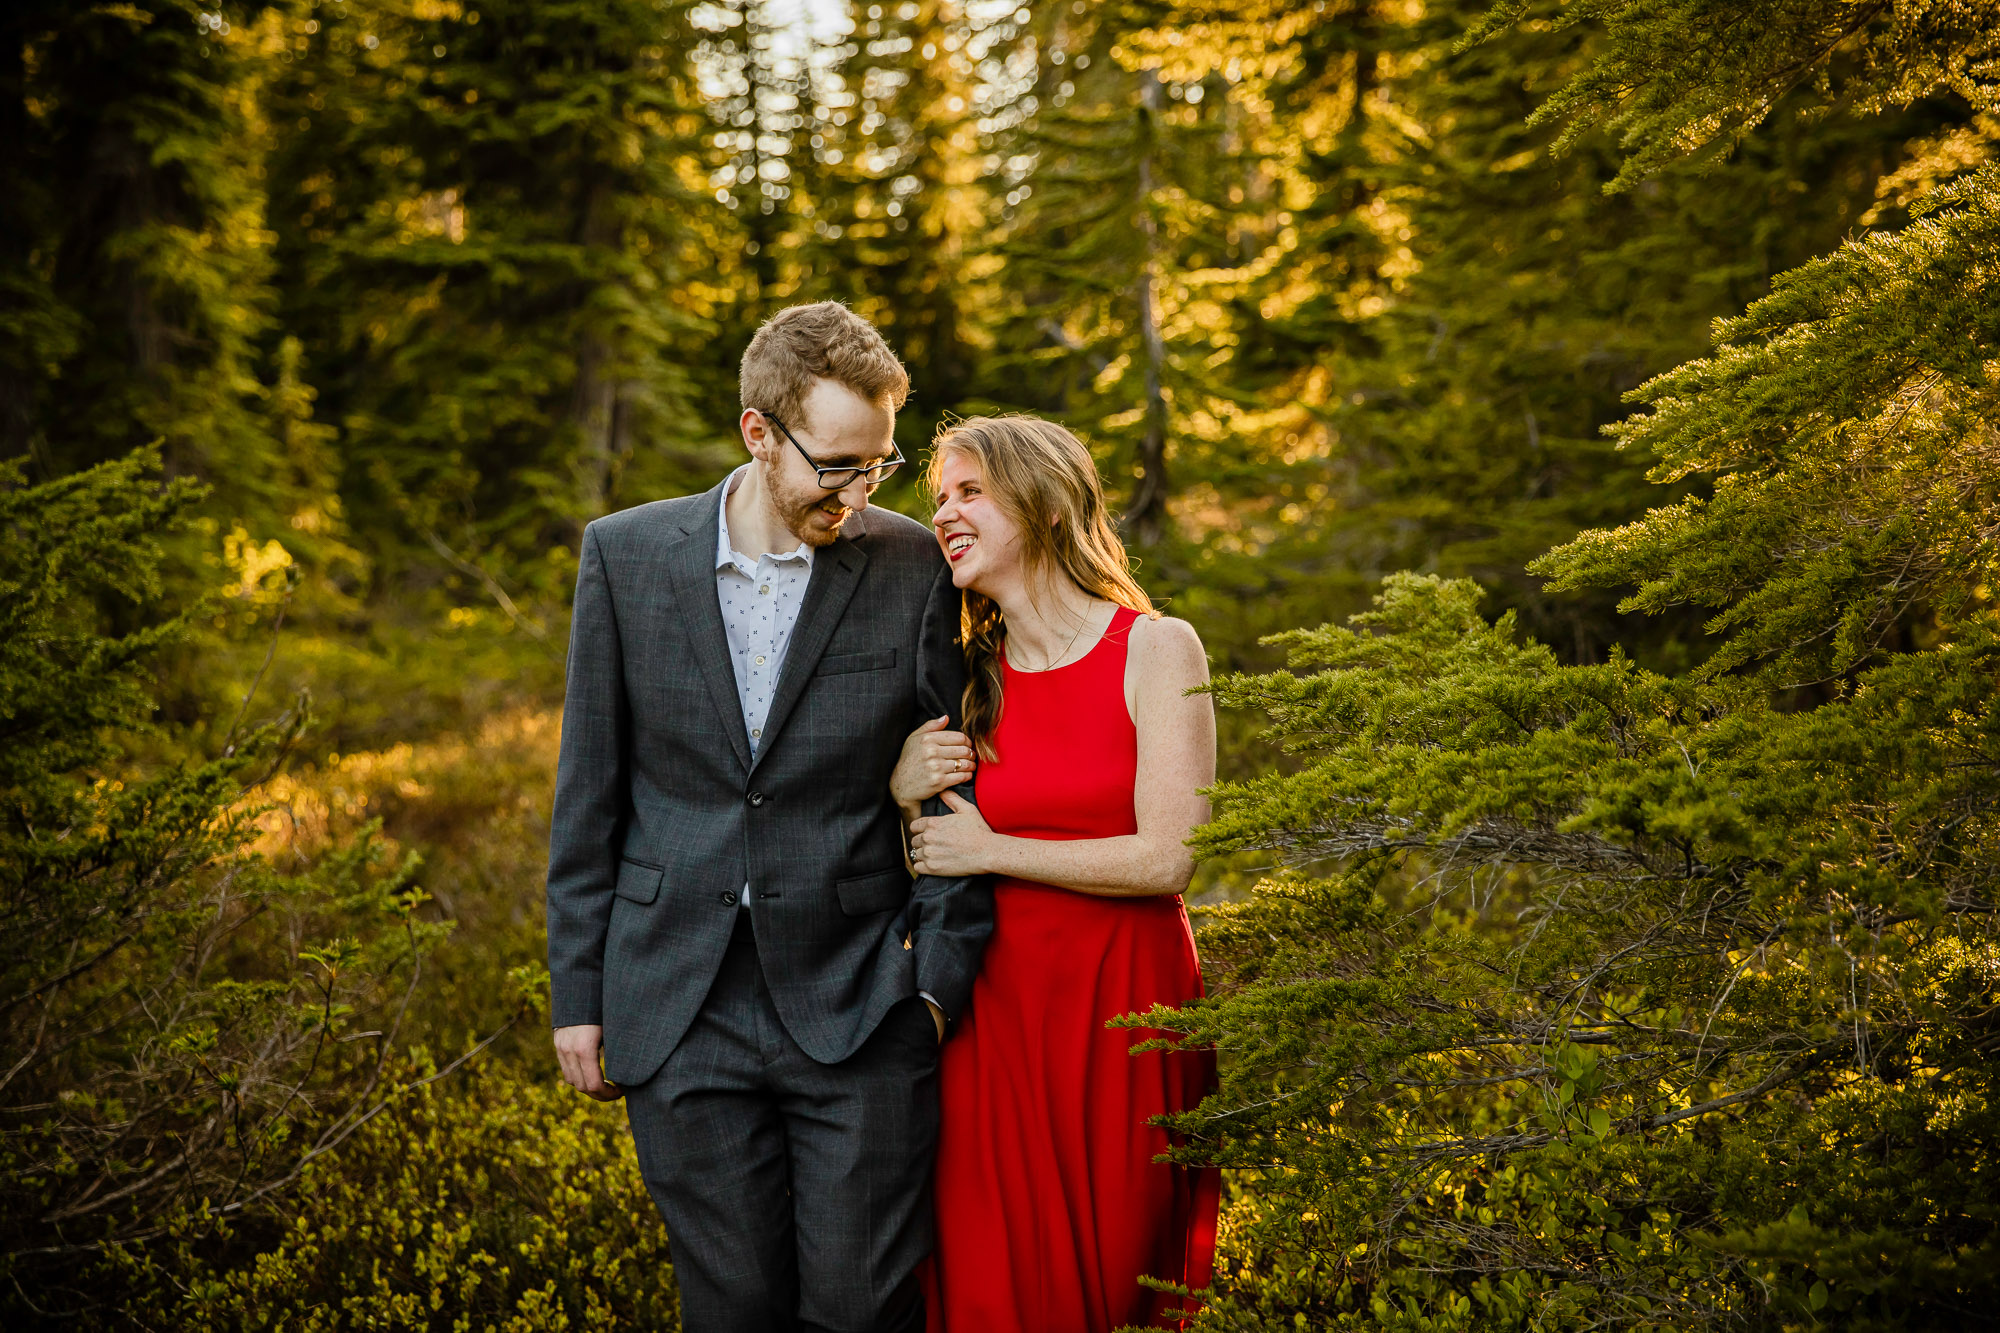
(184,1021)
(489,1202)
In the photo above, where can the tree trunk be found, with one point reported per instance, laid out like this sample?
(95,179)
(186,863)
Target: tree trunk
(597,402)
(760,217)
(1360,190)
(19,384)
(1146,516)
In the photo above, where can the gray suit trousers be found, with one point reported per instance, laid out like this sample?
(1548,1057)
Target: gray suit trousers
(796,1194)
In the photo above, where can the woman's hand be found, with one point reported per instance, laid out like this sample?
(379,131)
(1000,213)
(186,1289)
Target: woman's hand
(932,760)
(960,843)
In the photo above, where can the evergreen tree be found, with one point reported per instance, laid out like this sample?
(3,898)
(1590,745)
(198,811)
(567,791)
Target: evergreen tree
(139,299)
(487,214)
(762,89)
(900,211)
(1455,311)
(1607,996)
(183,1023)
(852,135)
(137,296)
(1115,239)
(1701,75)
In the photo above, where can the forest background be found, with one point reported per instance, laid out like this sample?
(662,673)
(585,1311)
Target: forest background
(1603,896)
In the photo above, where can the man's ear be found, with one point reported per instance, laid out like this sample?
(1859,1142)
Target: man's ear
(758,435)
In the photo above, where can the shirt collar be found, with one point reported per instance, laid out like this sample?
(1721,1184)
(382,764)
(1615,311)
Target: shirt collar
(726,553)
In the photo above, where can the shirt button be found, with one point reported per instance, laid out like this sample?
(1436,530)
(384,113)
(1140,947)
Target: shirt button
(760,659)
(765,588)
(756,732)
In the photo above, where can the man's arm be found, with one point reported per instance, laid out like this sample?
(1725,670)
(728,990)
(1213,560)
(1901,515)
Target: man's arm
(950,919)
(589,815)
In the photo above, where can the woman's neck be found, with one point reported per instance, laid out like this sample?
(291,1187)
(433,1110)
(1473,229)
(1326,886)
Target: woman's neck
(1045,620)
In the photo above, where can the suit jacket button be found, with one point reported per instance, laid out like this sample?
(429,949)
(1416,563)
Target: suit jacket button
(756,798)
(727,897)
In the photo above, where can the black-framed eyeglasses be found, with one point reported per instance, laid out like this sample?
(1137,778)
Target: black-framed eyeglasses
(840,478)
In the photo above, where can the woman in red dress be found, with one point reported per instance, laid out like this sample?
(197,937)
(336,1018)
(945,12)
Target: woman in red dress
(1091,757)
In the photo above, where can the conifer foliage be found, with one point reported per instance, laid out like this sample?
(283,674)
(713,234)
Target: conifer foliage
(485,213)
(1117,240)
(184,1023)
(1604,997)
(1595,986)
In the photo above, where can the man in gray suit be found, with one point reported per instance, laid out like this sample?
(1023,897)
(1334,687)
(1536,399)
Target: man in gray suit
(731,924)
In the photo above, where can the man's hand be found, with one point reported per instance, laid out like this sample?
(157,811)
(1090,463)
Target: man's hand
(937,1017)
(959,843)
(580,1049)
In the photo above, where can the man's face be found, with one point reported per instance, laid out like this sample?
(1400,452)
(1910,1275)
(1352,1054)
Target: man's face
(839,428)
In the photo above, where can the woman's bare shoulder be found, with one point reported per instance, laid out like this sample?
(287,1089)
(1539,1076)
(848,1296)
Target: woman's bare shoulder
(1169,650)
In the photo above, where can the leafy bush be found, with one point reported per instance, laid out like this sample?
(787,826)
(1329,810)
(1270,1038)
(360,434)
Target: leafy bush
(489,1202)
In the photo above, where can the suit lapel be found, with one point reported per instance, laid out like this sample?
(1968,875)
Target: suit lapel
(691,566)
(836,573)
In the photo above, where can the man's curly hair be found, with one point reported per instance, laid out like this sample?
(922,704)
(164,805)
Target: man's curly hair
(825,341)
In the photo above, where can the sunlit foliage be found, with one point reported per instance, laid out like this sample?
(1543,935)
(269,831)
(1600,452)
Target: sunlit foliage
(1606,997)
(1633,362)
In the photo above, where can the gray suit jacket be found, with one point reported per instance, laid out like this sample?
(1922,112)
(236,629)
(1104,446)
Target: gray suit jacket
(662,815)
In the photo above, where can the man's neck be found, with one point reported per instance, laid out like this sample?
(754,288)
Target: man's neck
(754,527)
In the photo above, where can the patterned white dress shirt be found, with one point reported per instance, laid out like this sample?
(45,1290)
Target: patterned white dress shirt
(760,605)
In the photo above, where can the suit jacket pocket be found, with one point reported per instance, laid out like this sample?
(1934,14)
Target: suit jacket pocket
(638,883)
(877,891)
(844,662)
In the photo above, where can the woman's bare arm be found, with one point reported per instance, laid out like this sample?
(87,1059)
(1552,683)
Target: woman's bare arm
(1176,734)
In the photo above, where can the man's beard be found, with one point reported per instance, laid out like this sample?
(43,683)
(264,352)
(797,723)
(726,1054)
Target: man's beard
(798,508)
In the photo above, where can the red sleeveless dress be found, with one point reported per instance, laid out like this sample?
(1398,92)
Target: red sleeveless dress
(1049,1203)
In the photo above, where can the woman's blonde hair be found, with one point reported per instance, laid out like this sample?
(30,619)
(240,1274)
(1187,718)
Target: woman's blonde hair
(1045,480)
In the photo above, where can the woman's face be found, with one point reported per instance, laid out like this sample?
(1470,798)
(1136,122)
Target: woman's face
(981,541)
